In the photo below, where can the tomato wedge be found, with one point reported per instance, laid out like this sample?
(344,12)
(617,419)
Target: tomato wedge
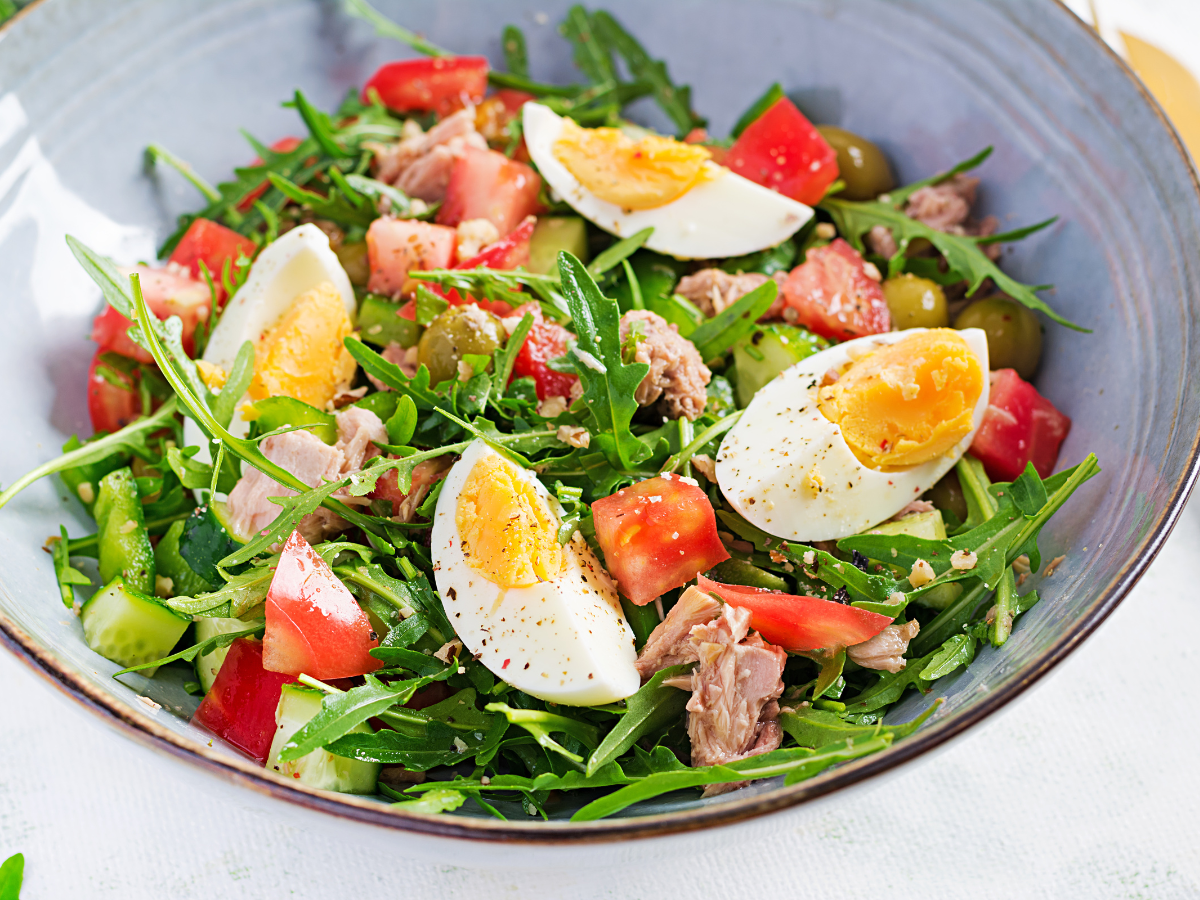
(545,341)
(783,151)
(111,406)
(1020,427)
(314,625)
(657,535)
(397,246)
(800,623)
(440,84)
(240,706)
(486,184)
(831,294)
(167,294)
(211,243)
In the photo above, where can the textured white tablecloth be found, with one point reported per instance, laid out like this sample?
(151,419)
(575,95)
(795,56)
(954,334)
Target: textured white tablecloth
(1086,788)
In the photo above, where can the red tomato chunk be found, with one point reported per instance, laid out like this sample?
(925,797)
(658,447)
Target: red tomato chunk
(240,706)
(509,252)
(657,535)
(314,625)
(831,294)
(440,84)
(545,341)
(396,247)
(783,151)
(800,623)
(111,406)
(211,243)
(167,294)
(485,184)
(1020,427)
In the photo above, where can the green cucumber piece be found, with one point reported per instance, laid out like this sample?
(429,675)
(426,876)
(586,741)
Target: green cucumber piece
(170,564)
(923,525)
(130,627)
(277,412)
(381,324)
(124,545)
(767,352)
(209,664)
(738,571)
(207,539)
(552,234)
(319,769)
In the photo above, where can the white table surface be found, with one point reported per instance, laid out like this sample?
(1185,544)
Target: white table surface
(1087,787)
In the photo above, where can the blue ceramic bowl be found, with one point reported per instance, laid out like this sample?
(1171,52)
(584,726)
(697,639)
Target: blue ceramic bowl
(85,85)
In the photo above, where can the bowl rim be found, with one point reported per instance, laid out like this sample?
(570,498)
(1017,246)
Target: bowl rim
(242,772)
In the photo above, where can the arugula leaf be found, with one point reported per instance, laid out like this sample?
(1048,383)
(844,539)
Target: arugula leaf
(591,55)
(400,202)
(157,152)
(408,597)
(237,382)
(506,357)
(957,651)
(66,575)
(651,708)
(343,711)
(619,252)
(1028,492)
(898,196)
(516,58)
(540,724)
(438,800)
(334,207)
(722,331)
(385,27)
(294,508)
(403,422)
(12,874)
(608,383)
(216,642)
(890,687)
(242,593)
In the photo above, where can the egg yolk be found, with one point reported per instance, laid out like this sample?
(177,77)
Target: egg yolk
(909,402)
(507,532)
(631,174)
(303,355)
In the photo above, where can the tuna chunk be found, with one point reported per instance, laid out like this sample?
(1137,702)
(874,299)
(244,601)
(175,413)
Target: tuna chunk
(946,207)
(678,379)
(397,355)
(732,713)
(669,643)
(421,163)
(885,651)
(357,428)
(714,290)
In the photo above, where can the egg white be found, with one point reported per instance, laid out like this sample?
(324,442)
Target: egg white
(564,640)
(764,462)
(724,215)
(295,263)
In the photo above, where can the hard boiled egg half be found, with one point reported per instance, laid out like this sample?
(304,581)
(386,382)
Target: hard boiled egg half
(698,210)
(849,436)
(541,616)
(296,306)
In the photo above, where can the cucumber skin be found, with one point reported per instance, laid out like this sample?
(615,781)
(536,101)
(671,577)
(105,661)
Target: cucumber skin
(380,325)
(780,347)
(552,234)
(117,619)
(123,550)
(169,563)
(209,664)
(319,769)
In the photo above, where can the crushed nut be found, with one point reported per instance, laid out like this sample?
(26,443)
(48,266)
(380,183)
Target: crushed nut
(704,464)
(1052,566)
(574,435)
(922,573)
(553,407)
(963,560)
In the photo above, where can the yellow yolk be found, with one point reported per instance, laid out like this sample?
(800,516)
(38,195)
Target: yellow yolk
(303,356)
(909,402)
(506,530)
(631,174)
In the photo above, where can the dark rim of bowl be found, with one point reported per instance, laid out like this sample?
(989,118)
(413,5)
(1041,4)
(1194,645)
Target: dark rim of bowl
(244,773)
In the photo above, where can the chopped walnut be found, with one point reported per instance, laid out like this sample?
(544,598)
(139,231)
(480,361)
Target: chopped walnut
(574,435)
(922,573)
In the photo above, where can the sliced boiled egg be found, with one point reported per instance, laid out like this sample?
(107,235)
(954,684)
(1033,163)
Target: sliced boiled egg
(541,616)
(849,436)
(296,306)
(698,210)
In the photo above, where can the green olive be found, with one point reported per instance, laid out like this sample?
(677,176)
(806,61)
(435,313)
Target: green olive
(353,258)
(455,333)
(1014,334)
(861,164)
(947,495)
(916,302)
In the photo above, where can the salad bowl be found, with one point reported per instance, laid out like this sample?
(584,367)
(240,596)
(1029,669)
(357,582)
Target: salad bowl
(86,86)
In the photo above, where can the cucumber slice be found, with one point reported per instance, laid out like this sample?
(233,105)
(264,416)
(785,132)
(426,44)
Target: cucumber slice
(380,323)
(124,547)
(209,664)
(552,234)
(275,412)
(767,352)
(128,627)
(923,525)
(319,769)
(184,580)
